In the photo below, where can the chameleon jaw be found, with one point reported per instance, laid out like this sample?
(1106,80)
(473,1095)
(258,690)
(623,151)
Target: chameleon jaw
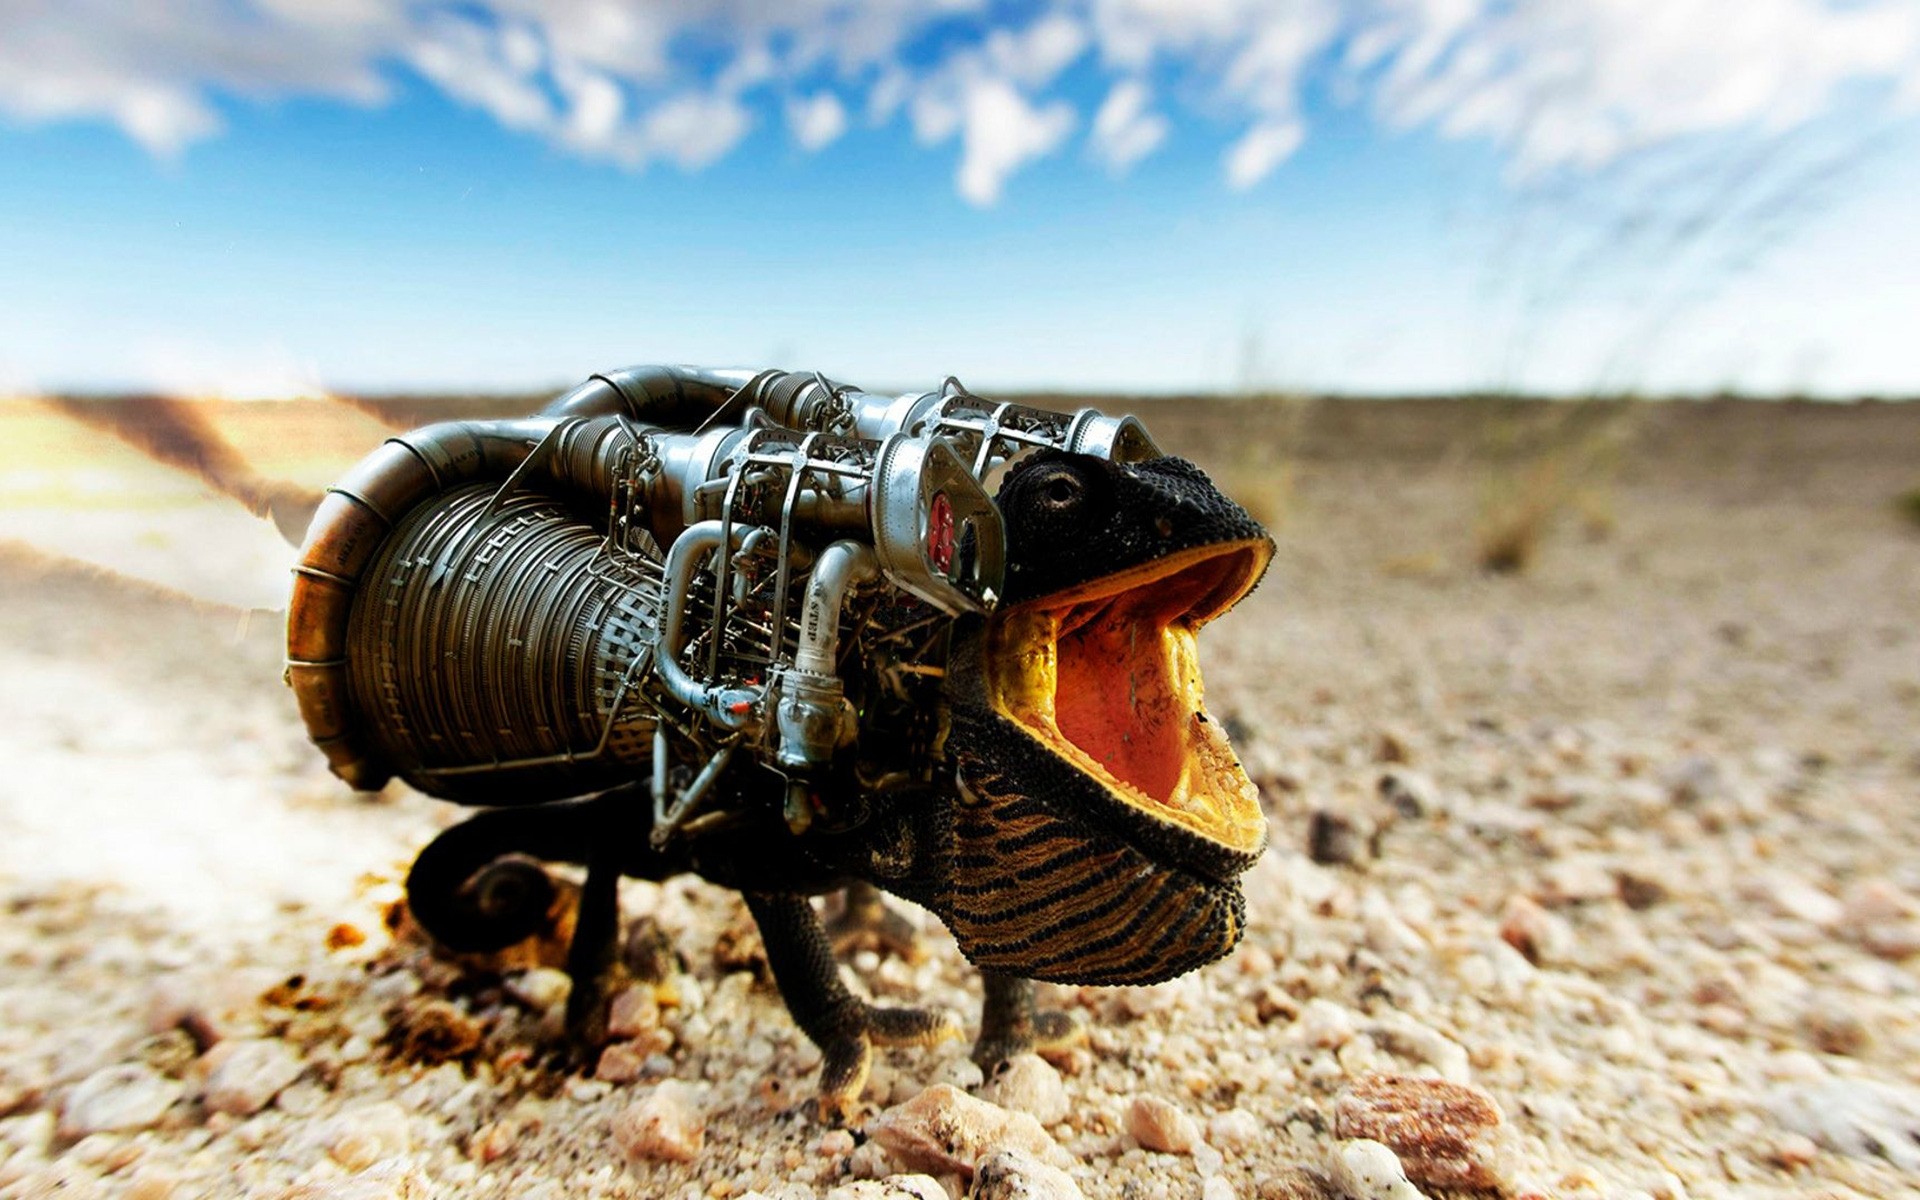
(1106,675)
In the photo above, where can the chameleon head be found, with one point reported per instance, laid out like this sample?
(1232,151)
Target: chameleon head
(1103,819)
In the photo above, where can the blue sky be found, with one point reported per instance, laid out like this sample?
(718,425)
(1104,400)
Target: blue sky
(262,197)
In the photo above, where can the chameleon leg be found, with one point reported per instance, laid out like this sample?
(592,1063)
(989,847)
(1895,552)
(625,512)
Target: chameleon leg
(843,1026)
(592,961)
(1010,1024)
(866,923)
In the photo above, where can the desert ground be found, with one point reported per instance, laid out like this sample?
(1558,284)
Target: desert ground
(1621,838)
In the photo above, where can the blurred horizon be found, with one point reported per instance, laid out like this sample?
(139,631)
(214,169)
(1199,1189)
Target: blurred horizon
(1119,197)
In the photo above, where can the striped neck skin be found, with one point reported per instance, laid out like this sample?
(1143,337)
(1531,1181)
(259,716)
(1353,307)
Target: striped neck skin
(1039,885)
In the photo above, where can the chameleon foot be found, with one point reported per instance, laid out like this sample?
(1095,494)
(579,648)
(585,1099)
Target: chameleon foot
(1011,1024)
(866,923)
(845,1027)
(847,1058)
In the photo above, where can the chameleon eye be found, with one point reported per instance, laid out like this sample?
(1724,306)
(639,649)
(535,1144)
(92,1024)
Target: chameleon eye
(1052,497)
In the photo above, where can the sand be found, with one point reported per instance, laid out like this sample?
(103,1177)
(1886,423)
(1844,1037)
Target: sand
(1626,842)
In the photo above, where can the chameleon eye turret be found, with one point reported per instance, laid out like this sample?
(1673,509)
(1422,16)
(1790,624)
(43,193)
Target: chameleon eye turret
(778,631)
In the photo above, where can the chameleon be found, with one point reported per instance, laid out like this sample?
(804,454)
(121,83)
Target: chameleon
(776,631)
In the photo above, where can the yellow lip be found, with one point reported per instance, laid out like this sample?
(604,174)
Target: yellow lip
(1107,676)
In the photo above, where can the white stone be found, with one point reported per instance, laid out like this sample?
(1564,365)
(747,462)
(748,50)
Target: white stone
(1856,1117)
(1017,1175)
(1027,1083)
(1233,1130)
(120,1098)
(1366,1170)
(945,1131)
(249,1074)
(1325,1024)
(1159,1125)
(361,1137)
(893,1187)
(666,1125)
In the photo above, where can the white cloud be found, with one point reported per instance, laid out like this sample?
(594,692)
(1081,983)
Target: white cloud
(475,64)
(817,121)
(1124,131)
(691,130)
(1570,85)
(1583,85)
(1263,148)
(1001,132)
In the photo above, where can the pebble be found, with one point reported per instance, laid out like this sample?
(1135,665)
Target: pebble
(542,989)
(1027,1083)
(633,1012)
(1442,1133)
(1235,1129)
(665,1125)
(247,1074)
(1795,898)
(1859,1118)
(1582,880)
(172,1004)
(389,1181)
(893,1187)
(621,1062)
(361,1137)
(1159,1125)
(434,1031)
(31,1134)
(1835,1028)
(943,1130)
(1407,1037)
(1216,1187)
(1017,1175)
(834,1143)
(1292,1183)
(1882,918)
(119,1098)
(1411,793)
(1694,779)
(1366,1170)
(493,1141)
(1340,838)
(1543,937)
(1326,1025)
(152,1183)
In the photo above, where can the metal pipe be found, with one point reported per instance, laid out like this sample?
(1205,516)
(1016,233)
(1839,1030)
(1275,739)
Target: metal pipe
(728,707)
(842,566)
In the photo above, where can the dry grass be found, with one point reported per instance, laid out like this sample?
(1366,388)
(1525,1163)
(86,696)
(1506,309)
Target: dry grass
(1259,469)
(1545,464)
(1908,505)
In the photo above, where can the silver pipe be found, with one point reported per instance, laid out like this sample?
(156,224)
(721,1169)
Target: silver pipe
(728,707)
(814,716)
(841,567)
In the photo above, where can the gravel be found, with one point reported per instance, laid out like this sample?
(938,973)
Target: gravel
(1648,887)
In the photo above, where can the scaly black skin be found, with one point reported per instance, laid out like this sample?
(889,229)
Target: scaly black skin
(1005,847)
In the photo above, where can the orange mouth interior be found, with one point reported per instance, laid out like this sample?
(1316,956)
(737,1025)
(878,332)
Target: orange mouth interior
(1107,675)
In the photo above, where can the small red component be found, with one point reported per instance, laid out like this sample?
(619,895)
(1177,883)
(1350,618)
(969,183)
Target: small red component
(940,533)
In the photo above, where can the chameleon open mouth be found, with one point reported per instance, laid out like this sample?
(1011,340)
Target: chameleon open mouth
(1107,676)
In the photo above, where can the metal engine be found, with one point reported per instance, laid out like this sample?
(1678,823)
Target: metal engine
(669,572)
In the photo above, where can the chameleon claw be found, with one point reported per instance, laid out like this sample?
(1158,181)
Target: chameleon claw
(843,1076)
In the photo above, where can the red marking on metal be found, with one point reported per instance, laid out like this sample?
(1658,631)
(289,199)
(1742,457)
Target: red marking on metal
(940,533)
